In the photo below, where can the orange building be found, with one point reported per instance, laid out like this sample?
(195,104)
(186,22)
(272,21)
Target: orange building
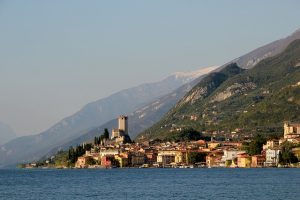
(258,161)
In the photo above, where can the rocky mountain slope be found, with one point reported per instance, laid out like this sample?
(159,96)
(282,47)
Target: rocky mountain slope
(263,96)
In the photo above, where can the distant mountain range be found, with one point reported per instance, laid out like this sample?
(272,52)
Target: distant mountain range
(140,119)
(147,103)
(91,116)
(258,99)
(6,133)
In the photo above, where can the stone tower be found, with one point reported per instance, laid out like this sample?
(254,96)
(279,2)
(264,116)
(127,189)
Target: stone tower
(123,124)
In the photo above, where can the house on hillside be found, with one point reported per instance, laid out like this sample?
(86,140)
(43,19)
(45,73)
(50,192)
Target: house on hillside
(291,130)
(271,144)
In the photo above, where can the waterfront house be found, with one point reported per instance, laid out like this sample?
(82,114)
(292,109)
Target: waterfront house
(229,156)
(82,161)
(122,159)
(272,157)
(258,161)
(166,157)
(243,160)
(106,161)
(137,159)
(151,156)
(214,159)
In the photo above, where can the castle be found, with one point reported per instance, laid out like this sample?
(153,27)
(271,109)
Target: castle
(120,134)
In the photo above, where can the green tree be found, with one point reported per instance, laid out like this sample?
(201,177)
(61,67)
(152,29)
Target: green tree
(187,134)
(106,134)
(286,155)
(95,140)
(256,145)
(194,157)
(91,162)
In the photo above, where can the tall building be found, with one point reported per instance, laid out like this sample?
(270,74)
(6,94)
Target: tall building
(123,124)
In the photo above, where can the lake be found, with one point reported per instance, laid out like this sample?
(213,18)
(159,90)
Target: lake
(146,184)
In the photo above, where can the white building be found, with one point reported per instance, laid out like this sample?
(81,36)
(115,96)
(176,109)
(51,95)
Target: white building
(231,154)
(272,157)
(109,152)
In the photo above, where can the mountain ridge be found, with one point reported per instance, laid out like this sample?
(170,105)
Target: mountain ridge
(139,120)
(231,102)
(92,115)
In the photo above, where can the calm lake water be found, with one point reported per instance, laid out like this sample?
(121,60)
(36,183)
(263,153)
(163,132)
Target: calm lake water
(139,184)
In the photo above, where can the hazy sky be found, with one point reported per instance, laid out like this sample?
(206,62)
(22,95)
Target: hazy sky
(56,56)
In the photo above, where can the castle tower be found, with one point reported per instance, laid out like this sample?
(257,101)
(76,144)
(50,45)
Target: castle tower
(123,124)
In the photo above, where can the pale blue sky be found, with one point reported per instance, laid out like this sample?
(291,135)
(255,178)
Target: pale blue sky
(56,56)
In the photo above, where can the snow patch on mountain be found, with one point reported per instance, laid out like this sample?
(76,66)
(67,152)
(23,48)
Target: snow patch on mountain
(194,74)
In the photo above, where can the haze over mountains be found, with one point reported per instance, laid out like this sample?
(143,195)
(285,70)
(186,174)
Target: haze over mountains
(91,116)
(6,133)
(141,118)
(147,103)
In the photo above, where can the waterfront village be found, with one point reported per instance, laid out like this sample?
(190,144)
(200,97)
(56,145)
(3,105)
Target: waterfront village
(118,151)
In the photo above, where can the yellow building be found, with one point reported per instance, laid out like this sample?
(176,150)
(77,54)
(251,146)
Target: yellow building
(166,157)
(244,161)
(123,161)
(171,156)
